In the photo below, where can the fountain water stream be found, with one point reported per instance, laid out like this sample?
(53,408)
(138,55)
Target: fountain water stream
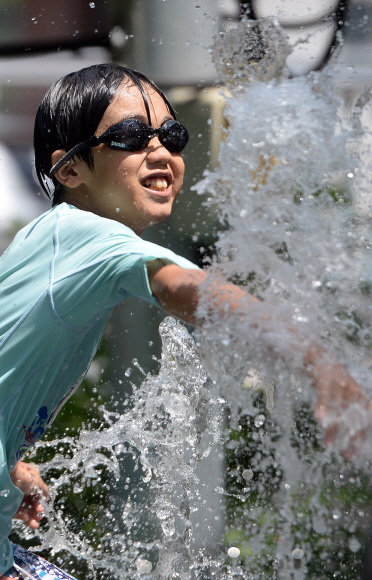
(291,188)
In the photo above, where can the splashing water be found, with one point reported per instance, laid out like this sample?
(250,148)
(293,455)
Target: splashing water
(291,188)
(251,50)
(172,425)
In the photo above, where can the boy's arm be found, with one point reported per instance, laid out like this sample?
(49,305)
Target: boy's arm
(178,291)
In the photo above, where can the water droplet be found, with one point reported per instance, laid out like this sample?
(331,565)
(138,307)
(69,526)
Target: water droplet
(233,552)
(128,372)
(163,513)
(4,493)
(147,476)
(247,474)
(259,420)
(118,38)
(92,5)
(354,544)
(117,209)
(144,566)
(297,554)
(168,527)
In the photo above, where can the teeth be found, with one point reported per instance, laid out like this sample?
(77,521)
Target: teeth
(159,183)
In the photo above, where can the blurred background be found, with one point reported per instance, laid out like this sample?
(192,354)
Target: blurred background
(170,41)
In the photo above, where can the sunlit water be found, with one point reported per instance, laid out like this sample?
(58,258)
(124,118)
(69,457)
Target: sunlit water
(292,189)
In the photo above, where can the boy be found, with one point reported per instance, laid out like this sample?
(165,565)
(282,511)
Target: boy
(108,139)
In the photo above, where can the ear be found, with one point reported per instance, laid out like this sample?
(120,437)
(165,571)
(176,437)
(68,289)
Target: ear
(71,174)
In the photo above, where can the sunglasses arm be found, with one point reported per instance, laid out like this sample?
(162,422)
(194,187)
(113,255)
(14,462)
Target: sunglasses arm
(91,142)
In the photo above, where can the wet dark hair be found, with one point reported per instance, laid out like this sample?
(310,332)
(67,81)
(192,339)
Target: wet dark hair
(71,110)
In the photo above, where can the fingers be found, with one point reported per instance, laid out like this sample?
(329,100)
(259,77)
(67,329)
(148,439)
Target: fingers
(27,477)
(346,429)
(320,411)
(14,575)
(343,409)
(42,488)
(330,435)
(30,512)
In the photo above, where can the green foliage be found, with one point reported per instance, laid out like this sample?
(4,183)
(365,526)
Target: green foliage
(329,523)
(339,195)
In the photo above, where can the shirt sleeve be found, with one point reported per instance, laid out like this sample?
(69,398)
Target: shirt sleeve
(132,273)
(106,267)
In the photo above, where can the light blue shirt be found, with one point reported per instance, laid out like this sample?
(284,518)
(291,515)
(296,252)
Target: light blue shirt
(59,280)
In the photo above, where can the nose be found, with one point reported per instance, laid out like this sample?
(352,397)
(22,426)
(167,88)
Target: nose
(156,152)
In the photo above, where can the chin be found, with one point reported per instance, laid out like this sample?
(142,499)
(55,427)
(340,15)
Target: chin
(158,220)
(160,217)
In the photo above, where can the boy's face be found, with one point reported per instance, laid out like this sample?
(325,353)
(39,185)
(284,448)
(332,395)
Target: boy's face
(135,188)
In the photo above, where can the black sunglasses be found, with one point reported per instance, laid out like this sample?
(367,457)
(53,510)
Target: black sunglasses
(132,135)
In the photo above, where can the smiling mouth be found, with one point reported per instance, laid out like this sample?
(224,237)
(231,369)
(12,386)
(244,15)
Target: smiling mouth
(156,183)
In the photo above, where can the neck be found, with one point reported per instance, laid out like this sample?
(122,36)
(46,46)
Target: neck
(78,200)
(82,200)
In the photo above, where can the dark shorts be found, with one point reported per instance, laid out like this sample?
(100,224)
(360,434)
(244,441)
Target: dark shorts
(29,566)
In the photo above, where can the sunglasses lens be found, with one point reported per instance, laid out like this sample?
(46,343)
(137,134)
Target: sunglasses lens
(174,136)
(134,135)
(131,135)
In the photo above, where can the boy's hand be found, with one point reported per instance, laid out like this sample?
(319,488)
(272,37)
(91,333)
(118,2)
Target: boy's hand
(340,400)
(27,477)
